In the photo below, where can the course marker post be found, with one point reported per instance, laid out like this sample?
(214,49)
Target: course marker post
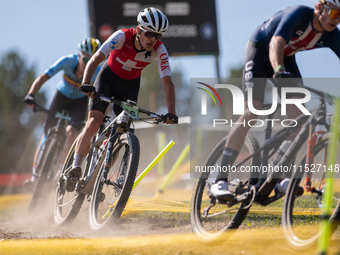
(173,169)
(153,163)
(332,152)
(161,144)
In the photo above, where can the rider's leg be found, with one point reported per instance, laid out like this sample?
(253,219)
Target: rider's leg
(71,135)
(233,145)
(83,147)
(92,125)
(236,137)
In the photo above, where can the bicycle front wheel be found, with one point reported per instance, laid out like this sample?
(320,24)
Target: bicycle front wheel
(44,186)
(209,224)
(67,204)
(302,214)
(113,187)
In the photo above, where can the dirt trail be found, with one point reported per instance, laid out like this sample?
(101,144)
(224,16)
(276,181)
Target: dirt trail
(41,226)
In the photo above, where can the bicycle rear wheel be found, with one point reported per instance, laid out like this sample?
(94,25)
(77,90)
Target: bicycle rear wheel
(111,192)
(67,204)
(44,184)
(221,217)
(302,214)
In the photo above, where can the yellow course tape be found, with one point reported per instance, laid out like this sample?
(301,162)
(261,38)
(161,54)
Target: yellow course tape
(153,163)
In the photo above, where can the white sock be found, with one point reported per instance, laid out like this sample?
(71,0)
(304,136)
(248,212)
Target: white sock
(78,160)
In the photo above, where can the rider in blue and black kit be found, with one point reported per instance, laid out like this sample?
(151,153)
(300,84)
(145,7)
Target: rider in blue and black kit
(270,53)
(67,96)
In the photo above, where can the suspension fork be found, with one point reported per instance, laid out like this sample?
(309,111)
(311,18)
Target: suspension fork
(107,165)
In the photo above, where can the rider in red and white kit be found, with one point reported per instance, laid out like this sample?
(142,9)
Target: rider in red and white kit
(130,50)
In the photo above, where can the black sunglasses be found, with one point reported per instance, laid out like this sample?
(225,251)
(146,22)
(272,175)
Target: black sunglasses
(149,34)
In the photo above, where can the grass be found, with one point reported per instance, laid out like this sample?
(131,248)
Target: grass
(163,219)
(253,220)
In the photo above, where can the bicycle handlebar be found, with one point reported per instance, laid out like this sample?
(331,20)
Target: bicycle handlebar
(59,115)
(130,108)
(39,108)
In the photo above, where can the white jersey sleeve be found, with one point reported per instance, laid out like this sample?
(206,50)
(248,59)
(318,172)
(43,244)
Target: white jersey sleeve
(162,60)
(115,41)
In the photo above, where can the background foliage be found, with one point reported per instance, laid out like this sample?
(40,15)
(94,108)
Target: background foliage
(17,121)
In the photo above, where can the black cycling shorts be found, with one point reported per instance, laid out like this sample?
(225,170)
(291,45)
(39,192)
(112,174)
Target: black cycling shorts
(257,69)
(111,85)
(77,109)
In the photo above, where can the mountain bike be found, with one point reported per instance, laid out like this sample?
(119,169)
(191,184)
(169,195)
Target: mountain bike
(110,169)
(49,156)
(209,217)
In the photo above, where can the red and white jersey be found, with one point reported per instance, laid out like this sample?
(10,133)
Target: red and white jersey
(127,62)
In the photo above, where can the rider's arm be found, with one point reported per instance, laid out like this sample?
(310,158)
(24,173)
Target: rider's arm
(115,41)
(37,84)
(61,64)
(276,50)
(165,74)
(169,94)
(92,65)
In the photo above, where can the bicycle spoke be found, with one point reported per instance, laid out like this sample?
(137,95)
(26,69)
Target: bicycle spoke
(110,195)
(69,202)
(218,216)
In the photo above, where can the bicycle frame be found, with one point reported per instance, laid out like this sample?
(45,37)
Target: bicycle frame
(57,131)
(308,133)
(265,184)
(121,124)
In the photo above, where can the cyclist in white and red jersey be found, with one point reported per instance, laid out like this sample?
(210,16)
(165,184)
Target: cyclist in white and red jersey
(130,51)
(270,53)
(67,96)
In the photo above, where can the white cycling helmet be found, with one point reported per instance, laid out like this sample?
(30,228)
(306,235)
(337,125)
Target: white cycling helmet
(335,2)
(89,45)
(153,19)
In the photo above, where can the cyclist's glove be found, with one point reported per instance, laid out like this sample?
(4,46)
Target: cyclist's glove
(29,99)
(87,88)
(282,74)
(172,117)
(286,79)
